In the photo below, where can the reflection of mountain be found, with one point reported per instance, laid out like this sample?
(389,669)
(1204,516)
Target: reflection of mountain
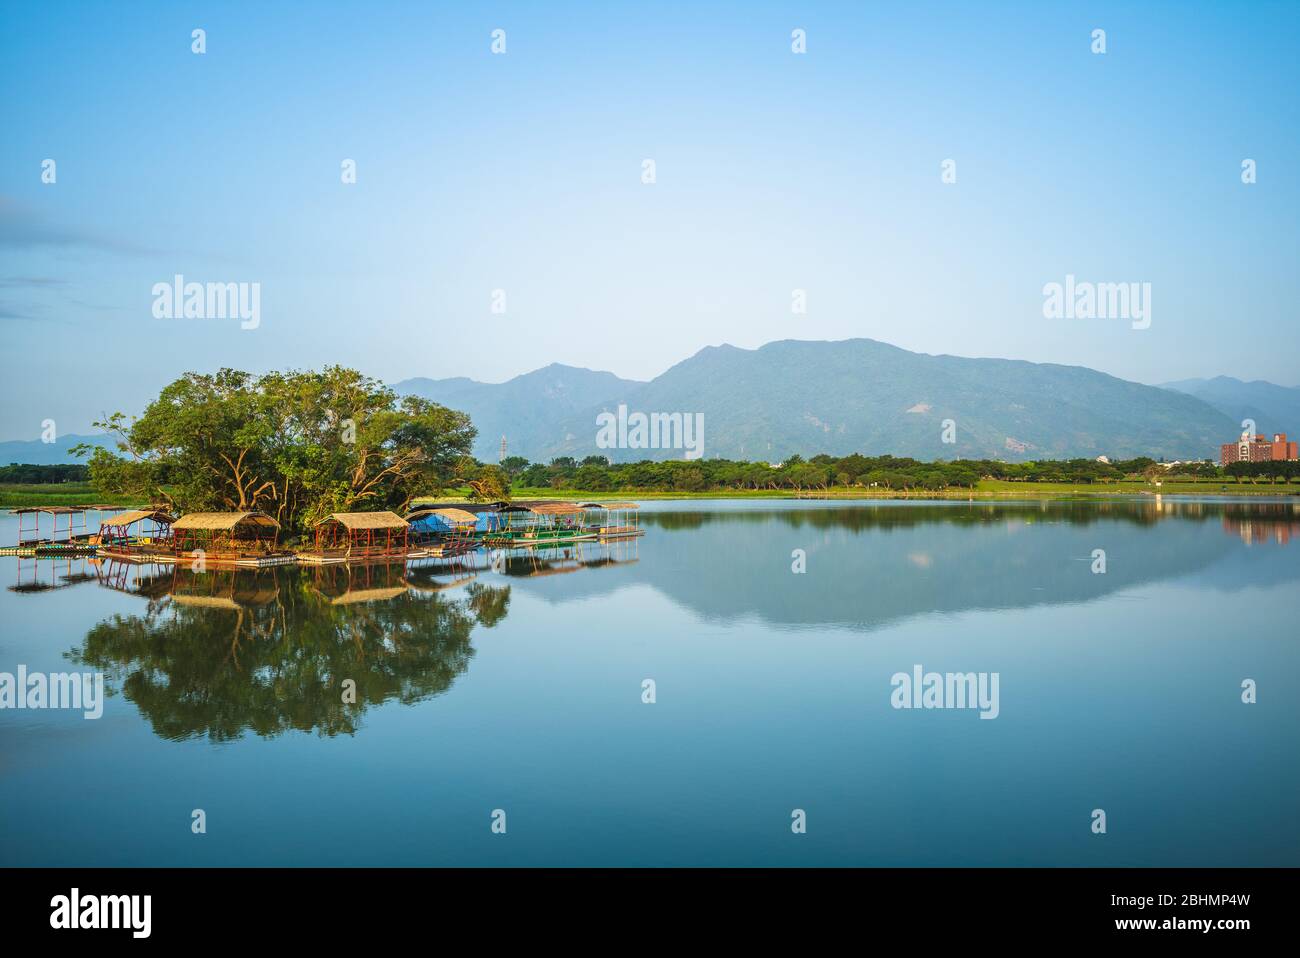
(269,651)
(871,564)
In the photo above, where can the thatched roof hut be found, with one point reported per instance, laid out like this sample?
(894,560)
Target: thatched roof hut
(367,534)
(222,534)
(225,521)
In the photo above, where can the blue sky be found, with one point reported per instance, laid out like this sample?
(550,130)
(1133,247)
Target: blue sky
(522,172)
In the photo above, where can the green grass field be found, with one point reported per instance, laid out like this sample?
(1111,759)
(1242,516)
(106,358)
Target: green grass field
(13,495)
(1216,487)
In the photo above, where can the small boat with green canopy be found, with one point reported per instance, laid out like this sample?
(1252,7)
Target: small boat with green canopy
(541,522)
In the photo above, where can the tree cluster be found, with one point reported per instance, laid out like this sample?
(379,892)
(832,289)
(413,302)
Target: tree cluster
(296,445)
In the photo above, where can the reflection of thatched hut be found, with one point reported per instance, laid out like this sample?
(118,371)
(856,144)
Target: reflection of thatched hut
(369,595)
(426,584)
(244,538)
(346,584)
(224,590)
(210,602)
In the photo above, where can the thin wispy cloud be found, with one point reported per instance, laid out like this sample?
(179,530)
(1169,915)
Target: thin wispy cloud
(42,290)
(31,282)
(9,313)
(96,306)
(22,227)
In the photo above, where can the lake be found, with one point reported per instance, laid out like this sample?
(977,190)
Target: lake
(519,686)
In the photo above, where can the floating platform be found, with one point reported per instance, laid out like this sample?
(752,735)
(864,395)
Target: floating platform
(539,537)
(186,560)
(620,532)
(137,556)
(51,549)
(321,558)
(260,562)
(555,540)
(341,556)
(442,550)
(138,551)
(522,543)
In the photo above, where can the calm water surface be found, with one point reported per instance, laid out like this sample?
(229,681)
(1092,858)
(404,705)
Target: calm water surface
(520,688)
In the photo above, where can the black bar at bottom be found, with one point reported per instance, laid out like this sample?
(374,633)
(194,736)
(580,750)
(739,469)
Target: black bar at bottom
(928,906)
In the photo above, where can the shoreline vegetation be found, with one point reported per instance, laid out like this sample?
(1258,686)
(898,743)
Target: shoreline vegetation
(14,496)
(302,445)
(987,490)
(888,477)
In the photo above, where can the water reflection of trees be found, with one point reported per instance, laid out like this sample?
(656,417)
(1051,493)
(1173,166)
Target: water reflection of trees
(267,651)
(890,514)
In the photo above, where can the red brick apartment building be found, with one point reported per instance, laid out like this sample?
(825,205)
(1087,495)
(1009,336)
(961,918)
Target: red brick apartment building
(1258,449)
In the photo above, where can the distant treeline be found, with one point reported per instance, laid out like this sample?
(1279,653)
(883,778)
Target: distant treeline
(597,474)
(1264,470)
(40,475)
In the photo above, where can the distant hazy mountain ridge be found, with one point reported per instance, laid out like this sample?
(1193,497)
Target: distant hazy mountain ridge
(854,395)
(526,410)
(1273,408)
(34,452)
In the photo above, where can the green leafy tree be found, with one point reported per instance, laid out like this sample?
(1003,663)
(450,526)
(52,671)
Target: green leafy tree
(592,476)
(297,445)
(514,466)
(490,485)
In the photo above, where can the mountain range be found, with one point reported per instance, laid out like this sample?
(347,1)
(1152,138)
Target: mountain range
(34,452)
(860,395)
(855,395)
